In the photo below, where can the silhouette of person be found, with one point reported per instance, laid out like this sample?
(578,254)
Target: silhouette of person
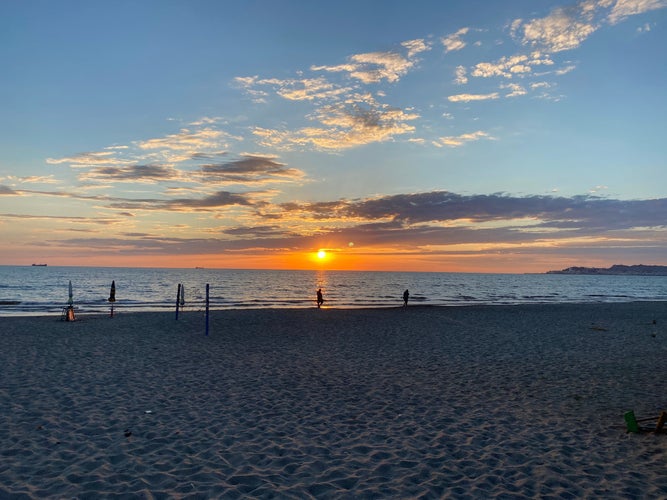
(406,296)
(320,299)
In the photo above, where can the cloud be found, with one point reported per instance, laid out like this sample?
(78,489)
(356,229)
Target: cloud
(565,70)
(262,231)
(133,173)
(301,89)
(460,140)
(626,8)
(6,190)
(249,169)
(557,32)
(473,97)
(210,203)
(247,83)
(310,89)
(461,78)
(453,42)
(146,160)
(84,160)
(372,67)
(176,158)
(343,116)
(416,46)
(515,88)
(565,28)
(585,213)
(426,222)
(205,120)
(186,140)
(359,120)
(34,179)
(105,221)
(508,67)
(540,85)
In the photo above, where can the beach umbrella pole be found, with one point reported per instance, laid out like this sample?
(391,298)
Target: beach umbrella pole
(178,299)
(207,303)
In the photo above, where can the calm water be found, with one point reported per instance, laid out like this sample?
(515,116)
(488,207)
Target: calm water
(44,290)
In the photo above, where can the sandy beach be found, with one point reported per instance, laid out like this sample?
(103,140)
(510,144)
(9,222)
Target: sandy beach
(423,402)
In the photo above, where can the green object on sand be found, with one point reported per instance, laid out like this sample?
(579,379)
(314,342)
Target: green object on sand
(631,421)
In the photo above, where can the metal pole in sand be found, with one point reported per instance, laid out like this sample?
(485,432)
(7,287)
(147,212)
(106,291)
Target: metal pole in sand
(207,302)
(178,299)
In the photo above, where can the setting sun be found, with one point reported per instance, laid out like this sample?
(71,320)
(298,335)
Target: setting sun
(321,254)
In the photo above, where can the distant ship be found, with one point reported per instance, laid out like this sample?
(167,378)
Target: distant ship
(39,265)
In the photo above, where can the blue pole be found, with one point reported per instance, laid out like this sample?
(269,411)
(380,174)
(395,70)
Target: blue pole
(207,301)
(178,296)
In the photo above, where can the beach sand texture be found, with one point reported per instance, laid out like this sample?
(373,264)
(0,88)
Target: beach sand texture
(497,401)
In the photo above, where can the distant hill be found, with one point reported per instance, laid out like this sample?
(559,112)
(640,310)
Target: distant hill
(637,270)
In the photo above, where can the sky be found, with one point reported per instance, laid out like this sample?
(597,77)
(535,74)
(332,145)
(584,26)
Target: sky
(463,136)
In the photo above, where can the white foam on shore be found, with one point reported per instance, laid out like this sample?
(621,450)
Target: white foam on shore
(522,401)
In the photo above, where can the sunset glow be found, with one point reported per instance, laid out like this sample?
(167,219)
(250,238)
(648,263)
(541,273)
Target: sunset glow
(430,136)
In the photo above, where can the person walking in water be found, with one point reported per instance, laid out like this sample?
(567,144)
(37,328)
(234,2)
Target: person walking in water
(406,296)
(320,299)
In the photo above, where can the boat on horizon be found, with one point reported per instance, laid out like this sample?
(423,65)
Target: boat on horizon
(39,265)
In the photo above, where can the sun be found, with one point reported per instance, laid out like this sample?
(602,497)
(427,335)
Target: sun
(321,255)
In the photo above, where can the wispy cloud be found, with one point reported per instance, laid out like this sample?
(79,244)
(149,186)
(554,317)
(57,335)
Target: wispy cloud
(508,67)
(461,78)
(416,46)
(454,42)
(33,179)
(85,160)
(460,140)
(298,89)
(373,67)
(473,97)
(181,146)
(516,90)
(563,29)
(87,220)
(626,8)
(358,121)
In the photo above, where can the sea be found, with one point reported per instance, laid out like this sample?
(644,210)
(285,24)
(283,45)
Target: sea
(44,290)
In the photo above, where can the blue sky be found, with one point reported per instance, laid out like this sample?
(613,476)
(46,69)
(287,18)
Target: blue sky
(461,135)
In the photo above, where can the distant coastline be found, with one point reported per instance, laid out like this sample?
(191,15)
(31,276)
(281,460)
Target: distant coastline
(617,269)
